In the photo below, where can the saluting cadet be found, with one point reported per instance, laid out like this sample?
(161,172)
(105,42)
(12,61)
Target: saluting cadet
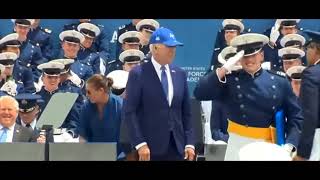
(252,96)
(281,28)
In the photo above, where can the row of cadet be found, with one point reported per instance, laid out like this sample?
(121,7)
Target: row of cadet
(84,42)
(64,75)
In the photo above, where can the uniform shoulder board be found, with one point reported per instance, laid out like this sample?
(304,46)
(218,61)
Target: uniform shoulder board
(216,49)
(47,30)
(110,62)
(279,73)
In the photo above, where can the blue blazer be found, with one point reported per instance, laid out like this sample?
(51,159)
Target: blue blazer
(148,114)
(310,100)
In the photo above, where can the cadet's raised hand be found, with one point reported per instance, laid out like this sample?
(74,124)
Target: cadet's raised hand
(229,65)
(274,35)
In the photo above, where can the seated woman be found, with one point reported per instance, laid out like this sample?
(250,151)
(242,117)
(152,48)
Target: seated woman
(100,117)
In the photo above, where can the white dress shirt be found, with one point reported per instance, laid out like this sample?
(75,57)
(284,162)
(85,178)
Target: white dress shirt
(32,124)
(157,67)
(9,132)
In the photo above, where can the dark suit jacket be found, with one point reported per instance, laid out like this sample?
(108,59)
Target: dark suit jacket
(22,134)
(148,114)
(310,102)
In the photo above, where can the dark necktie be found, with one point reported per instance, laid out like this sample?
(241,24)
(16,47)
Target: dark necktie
(164,81)
(28,126)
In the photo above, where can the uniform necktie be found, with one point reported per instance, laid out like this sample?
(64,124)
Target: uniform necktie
(28,126)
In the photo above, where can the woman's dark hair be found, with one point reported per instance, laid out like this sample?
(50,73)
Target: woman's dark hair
(99,81)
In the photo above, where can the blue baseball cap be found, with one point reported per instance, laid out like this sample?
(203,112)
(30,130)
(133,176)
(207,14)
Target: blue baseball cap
(164,36)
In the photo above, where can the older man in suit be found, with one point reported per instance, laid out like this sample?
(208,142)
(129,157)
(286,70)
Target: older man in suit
(157,105)
(9,130)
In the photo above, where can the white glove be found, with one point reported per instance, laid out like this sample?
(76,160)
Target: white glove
(288,148)
(10,87)
(38,85)
(274,35)
(236,67)
(266,65)
(221,59)
(76,80)
(229,65)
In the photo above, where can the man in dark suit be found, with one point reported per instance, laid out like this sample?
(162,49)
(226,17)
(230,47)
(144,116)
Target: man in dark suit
(9,130)
(308,147)
(157,104)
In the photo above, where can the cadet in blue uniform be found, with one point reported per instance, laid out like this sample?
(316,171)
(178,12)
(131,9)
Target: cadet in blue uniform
(231,29)
(101,43)
(30,54)
(295,74)
(21,74)
(51,73)
(29,109)
(290,57)
(41,37)
(129,40)
(71,40)
(10,84)
(70,82)
(219,120)
(252,97)
(310,100)
(294,40)
(146,27)
(218,123)
(86,55)
(281,28)
(100,117)
(122,29)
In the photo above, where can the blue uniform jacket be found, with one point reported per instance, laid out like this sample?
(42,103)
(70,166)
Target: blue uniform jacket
(310,99)
(252,100)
